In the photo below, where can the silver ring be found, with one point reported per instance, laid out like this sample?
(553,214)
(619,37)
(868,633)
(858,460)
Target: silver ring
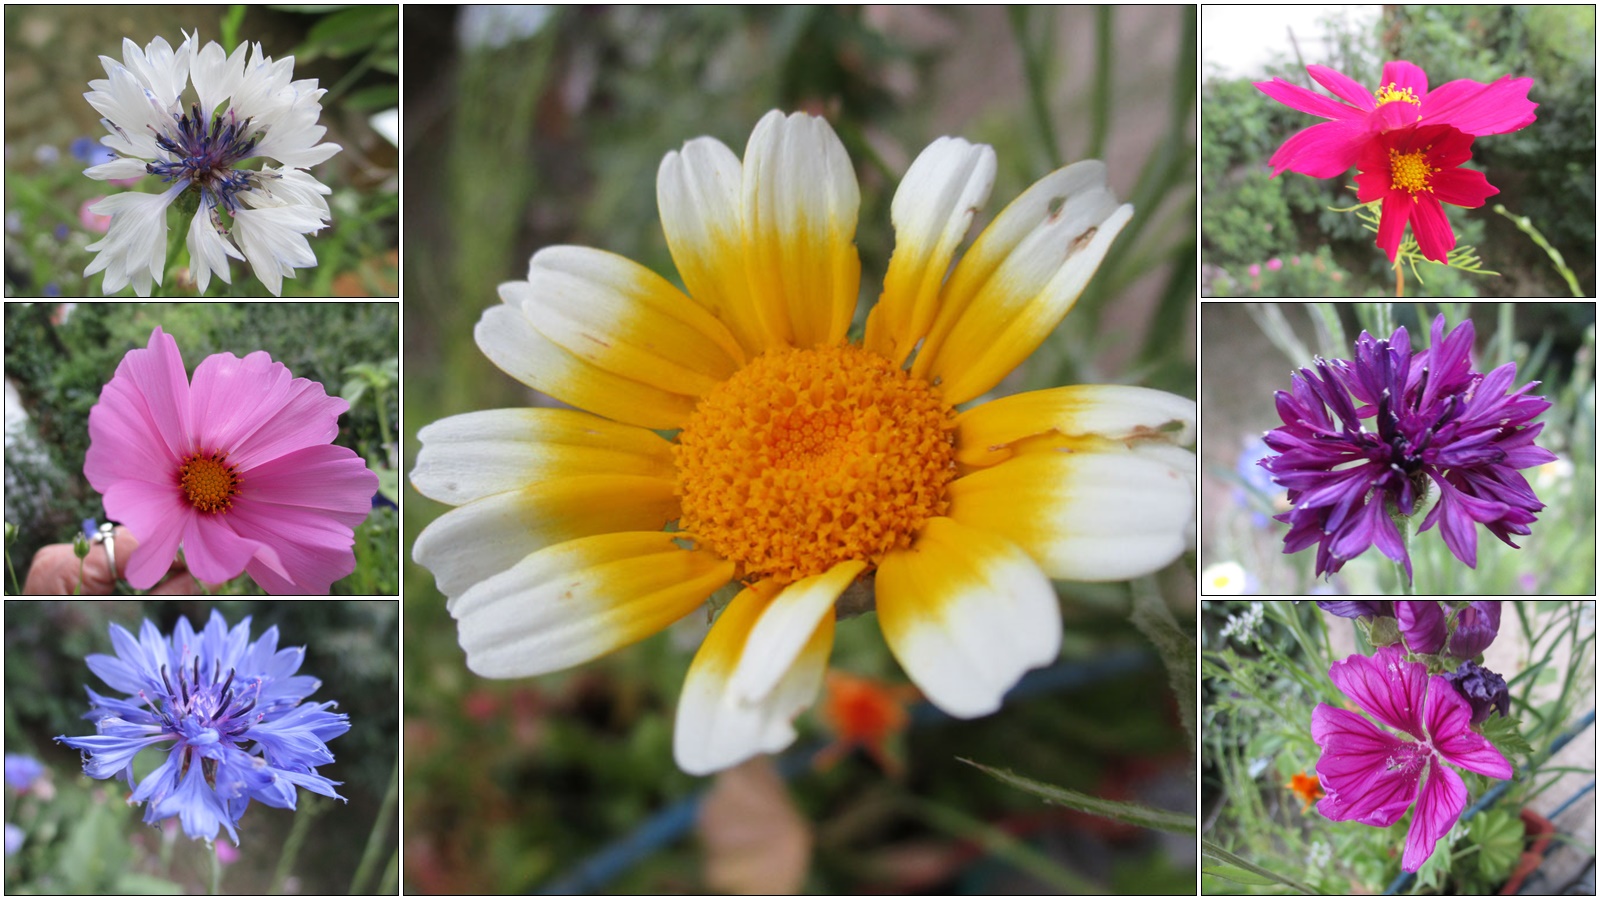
(106,537)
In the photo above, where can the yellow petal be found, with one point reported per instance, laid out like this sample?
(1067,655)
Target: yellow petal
(933,209)
(621,317)
(716,727)
(800,201)
(784,627)
(698,194)
(470,456)
(508,338)
(966,613)
(1087,511)
(475,542)
(572,602)
(985,434)
(1019,279)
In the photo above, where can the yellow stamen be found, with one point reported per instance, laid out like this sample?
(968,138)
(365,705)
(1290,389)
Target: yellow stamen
(1390,93)
(1410,171)
(807,458)
(209,481)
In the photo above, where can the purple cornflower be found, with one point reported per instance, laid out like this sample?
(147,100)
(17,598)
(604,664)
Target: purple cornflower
(1373,777)
(233,708)
(1362,439)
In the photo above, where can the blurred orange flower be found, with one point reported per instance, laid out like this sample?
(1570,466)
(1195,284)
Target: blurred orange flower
(1306,787)
(866,713)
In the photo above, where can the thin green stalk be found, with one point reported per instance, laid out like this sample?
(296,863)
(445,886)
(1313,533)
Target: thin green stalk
(1100,110)
(216,870)
(310,807)
(375,837)
(1003,846)
(1035,56)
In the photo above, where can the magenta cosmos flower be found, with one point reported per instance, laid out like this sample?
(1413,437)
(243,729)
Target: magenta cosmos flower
(1412,171)
(1372,776)
(1423,418)
(238,468)
(1328,150)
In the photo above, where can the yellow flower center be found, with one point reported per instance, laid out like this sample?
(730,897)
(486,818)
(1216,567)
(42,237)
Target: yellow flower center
(1390,93)
(1410,171)
(209,481)
(808,458)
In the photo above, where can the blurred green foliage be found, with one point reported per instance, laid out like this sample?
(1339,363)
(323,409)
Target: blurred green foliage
(83,838)
(352,51)
(59,361)
(1544,171)
(552,133)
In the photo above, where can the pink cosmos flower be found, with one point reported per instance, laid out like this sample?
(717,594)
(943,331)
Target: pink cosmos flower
(1274,264)
(1328,150)
(238,467)
(1373,777)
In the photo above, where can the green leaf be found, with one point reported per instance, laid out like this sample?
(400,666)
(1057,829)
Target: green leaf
(353,390)
(1499,836)
(349,31)
(1177,649)
(1129,813)
(1506,736)
(1236,874)
(379,96)
(1216,855)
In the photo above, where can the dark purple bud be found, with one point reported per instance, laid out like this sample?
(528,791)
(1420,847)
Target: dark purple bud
(1422,623)
(1476,627)
(1355,609)
(1482,689)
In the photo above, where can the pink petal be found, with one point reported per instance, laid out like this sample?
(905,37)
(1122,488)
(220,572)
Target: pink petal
(150,396)
(1386,686)
(1307,101)
(1325,150)
(255,410)
(326,478)
(1392,223)
(1404,75)
(1462,187)
(1355,769)
(1449,719)
(314,549)
(1443,798)
(1434,237)
(1480,109)
(1343,86)
(156,514)
(214,552)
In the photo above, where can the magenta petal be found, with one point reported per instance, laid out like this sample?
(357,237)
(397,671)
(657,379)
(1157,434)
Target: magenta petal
(1480,109)
(1462,187)
(1393,115)
(1307,101)
(1386,686)
(1449,718)
(1435,238)
(1342,86)
(1422,625)
(1404,75)
(1443,798)
(1325,150)
(1396,210)
(1356,772)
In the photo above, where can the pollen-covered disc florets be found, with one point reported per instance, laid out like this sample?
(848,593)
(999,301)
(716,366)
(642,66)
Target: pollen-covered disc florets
(808,458)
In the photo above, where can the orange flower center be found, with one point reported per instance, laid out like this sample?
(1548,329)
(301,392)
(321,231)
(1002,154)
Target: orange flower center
(209,481)
(808,458)
(1389,93)
(1410,171)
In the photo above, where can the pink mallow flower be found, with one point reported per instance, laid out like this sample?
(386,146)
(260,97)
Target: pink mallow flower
(238,468)
(1373,777)
(1328,150)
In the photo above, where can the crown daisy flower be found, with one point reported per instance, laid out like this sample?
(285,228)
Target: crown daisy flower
(1403,100)
(1424,419)
(240,146)
(238,467)
(802,463)
(233,710)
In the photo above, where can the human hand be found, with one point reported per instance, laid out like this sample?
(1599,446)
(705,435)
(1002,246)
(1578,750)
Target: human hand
(55,570)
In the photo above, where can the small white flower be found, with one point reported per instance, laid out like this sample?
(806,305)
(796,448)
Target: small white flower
(1223,578)
(247,110)
(1243,626)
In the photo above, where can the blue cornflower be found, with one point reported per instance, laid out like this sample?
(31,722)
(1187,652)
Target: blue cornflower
(22,771)
(234,708)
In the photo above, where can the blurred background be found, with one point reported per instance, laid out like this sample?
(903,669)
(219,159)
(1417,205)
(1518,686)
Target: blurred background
(58,356)
(52,53)
(78,836)
(533,126)
(1276,237)
(1251,349)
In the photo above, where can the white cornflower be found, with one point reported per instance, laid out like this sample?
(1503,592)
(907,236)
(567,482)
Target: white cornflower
(246,111)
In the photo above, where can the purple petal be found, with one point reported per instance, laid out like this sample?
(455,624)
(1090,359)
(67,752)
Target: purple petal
(1357,769)
(1422,624)
(1450,723)
(1386,686)
(1443,798)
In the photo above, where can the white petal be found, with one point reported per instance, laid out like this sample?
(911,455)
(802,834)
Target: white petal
(966,613)
(1125,413)
(273,240)
(135,245)
(716,728)
(117,168)
(572,602)
(208,249)
(785,627)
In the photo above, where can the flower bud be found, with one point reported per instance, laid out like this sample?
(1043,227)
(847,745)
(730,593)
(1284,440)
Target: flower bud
(1482,689)
(1477,625)
(1422,624)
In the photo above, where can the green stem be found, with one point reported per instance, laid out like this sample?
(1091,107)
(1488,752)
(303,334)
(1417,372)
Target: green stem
(309,808)
(380,828)
(1100,111)
(1033,69)
(216,871)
